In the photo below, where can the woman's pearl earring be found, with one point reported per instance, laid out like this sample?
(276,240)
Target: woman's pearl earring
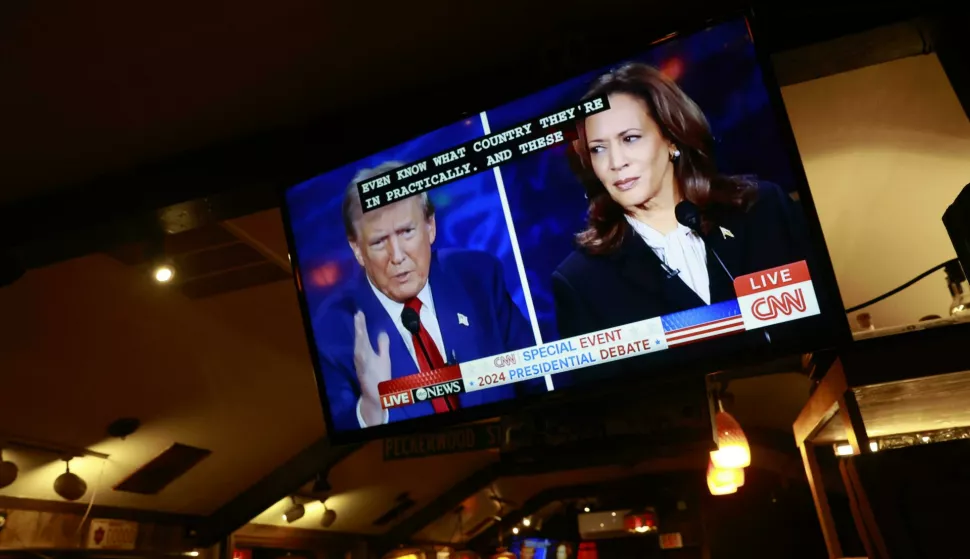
(675,155)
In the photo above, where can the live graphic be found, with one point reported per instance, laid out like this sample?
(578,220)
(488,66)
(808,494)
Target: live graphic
(777,295)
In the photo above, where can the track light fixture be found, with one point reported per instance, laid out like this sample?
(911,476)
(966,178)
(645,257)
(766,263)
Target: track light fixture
(295,512)
(69,485)
(329,515)
(8,471)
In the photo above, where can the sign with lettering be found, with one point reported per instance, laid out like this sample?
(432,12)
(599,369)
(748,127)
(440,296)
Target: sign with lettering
(777,295)
(476,156)
(112,534)
(480,436)
(672,540)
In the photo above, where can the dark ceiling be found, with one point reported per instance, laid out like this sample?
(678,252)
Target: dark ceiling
(110,108)
(113,110)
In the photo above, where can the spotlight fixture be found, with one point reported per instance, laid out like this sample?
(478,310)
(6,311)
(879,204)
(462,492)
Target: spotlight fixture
(515,530)
(163,273)
(329,516)
(527,522)
(8,471)
(69,485)
(295,512)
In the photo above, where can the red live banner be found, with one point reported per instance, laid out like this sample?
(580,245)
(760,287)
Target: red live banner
(777,295)
(420,387)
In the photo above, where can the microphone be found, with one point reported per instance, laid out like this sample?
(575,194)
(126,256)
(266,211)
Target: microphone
(412,322)
(689,215)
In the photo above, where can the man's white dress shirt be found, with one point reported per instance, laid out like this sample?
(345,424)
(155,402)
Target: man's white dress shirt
(428,319)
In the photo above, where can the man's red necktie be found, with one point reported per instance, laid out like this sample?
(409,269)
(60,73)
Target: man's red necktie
(441,405)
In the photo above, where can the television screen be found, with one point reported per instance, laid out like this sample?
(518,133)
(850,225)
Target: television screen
(642,219)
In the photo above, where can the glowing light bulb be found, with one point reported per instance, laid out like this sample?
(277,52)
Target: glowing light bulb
(515,530)
(164,273)
(843,450)
(585,509)
(873,446)
(526,522)
(723,481)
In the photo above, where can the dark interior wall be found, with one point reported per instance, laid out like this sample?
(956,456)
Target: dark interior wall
(765,518)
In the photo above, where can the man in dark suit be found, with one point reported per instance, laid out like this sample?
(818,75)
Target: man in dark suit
(460,296)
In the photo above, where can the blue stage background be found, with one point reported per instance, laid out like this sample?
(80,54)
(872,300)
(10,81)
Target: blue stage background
(717,68)
(468,213)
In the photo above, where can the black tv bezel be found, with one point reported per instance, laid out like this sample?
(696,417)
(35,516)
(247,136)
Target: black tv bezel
(834,332)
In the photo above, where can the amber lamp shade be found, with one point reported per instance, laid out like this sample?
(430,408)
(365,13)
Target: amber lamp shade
(732,446)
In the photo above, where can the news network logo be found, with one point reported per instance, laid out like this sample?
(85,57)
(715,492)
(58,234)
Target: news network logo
(777,295)
(503,361)
(785,303)
(437,390)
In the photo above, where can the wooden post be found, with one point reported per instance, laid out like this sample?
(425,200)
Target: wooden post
(817,486)
(832,396)
(855,428)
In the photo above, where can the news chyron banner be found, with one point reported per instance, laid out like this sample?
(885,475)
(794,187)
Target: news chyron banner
(638,338)
(764,298)
(477,155)
(777,295)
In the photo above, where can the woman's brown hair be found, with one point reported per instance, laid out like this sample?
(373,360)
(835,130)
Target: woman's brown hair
(683,124)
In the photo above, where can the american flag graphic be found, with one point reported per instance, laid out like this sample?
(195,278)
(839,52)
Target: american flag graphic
(702,323)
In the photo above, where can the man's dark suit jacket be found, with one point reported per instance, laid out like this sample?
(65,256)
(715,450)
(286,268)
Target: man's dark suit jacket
(465,282)
(595,292)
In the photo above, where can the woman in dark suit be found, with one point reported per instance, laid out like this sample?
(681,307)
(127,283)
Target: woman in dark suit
(650,151)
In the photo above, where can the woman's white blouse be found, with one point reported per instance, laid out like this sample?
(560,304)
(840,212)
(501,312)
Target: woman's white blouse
(682,250)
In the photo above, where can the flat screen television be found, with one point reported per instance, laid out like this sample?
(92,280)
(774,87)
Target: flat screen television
(646,219)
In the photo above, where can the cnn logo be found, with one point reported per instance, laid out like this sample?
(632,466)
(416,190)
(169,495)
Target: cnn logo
(771,307)
(504,360)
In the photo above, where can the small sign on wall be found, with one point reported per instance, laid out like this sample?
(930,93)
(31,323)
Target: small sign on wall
(480,436)
(112,534)
(672,540)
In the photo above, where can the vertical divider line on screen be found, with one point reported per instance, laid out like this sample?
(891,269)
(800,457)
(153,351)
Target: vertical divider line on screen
(519,264)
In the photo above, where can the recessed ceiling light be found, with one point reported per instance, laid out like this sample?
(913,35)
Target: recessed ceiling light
(163,273)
